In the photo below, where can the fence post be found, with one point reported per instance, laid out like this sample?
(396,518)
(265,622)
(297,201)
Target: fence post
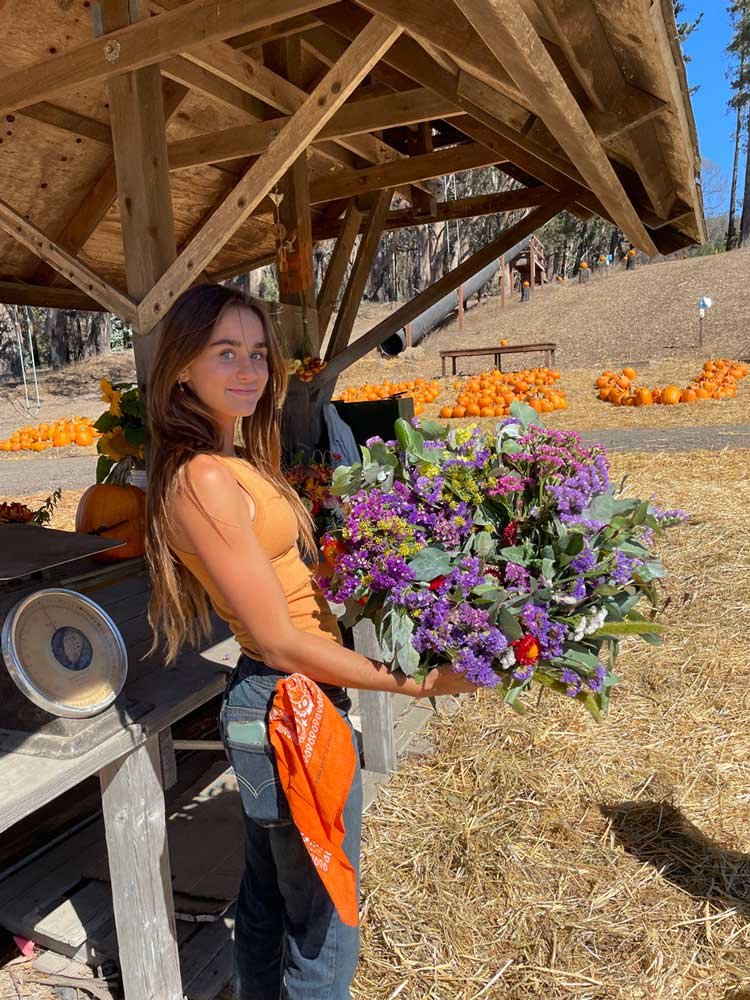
(503,279)
(460,307)
(375,709)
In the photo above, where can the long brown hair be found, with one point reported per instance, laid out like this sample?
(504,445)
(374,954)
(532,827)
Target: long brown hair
(181,427)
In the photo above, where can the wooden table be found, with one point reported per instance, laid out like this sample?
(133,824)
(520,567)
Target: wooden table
(128,765)
(548,349)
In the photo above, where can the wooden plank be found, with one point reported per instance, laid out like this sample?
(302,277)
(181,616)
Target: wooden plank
(74,270)
(291,26)
(196,77)
(78,917)
(361,116)
(202,949)
(142,44)
(508,32)
(215,976)
(409,312)
(21,293)
(338,264)
(355,287)
(302,128)
(135,825)
(375,709)
(413,168)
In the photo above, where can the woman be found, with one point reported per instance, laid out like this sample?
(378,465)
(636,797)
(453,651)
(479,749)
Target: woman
(226,528)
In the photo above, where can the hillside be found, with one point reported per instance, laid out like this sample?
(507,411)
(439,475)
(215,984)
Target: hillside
(647,314)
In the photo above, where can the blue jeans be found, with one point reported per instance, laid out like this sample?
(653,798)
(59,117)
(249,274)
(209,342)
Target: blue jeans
(290,943)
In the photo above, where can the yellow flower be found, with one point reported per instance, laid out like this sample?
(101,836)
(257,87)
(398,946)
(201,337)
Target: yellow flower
(115,445)
(112,396)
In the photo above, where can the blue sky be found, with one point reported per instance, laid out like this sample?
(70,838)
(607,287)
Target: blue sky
(709,62)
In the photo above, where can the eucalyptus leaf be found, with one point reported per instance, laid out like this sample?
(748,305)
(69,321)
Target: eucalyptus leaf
(429,563)
(627,628)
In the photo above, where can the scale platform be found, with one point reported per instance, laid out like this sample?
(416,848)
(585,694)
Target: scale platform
(68,652)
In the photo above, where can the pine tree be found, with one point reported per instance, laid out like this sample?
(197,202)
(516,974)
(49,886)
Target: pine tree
(737,105)
(739,48)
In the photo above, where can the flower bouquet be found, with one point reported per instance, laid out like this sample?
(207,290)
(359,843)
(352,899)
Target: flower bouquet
(508,553)
(312,482)
(122,427)
(15,512)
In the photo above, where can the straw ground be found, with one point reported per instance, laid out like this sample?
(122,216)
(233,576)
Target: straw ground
(546,856)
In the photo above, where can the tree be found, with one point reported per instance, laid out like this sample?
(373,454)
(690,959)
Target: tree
(685,30)
(739,49)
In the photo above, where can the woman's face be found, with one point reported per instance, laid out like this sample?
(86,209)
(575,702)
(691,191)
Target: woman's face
(230,374)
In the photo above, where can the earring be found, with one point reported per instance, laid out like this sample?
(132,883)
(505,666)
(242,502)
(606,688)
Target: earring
(182,387)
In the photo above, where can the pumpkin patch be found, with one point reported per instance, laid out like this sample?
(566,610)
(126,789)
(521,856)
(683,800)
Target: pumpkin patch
(57,434)
(421,391)
(717,380)
(491,393)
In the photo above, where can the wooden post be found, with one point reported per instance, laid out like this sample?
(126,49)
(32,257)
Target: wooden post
(532,266)
(409,333)
(299,324)
(503,278)
(140,152)
(136,832)
(376,708)
(460,307)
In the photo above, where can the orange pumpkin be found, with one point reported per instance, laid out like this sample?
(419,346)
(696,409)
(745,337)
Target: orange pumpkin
(115,512)
(629,373)
(688,396)
(671,394)
(643,397)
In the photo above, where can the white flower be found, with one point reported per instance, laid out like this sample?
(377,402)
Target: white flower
(507,659)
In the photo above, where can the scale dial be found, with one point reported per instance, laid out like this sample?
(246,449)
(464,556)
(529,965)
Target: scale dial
(64,652)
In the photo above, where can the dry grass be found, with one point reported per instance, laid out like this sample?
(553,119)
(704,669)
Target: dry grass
(548,857)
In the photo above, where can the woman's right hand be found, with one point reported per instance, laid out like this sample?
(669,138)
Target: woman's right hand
(445,680)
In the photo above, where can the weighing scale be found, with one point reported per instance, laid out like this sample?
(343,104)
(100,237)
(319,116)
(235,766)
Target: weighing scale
(64,661)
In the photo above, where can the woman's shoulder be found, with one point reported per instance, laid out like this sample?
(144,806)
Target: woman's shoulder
(206,471)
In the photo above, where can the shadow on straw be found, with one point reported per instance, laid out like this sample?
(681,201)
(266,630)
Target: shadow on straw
(658,834)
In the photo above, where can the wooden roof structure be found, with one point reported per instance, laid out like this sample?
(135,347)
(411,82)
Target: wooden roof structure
(142,142)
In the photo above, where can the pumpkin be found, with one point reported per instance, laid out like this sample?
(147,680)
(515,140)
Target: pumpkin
(115,512)
(671,394)
(643,397)
(688,396)
(503,343)
(630,373)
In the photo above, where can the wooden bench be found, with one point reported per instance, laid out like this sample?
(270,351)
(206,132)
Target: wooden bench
(548,349)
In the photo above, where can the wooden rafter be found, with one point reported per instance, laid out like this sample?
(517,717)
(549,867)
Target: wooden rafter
(461,208)
(416,306)
(191,75)
(302,129)
(417,105)
(355,286)
(406,171)
(78,273)
(63,120)
(20,293)
(346,234)
(143,44)
(509,33)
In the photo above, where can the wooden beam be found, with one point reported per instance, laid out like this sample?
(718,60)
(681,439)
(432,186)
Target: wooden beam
(20,293)
(78,273)
(406,171)
(71,122)
(508,32)
(579,33)
(191,75)
(337,265)
(461,208)
(143,44)
(302,129)
(418,105)
(282,29)
(355,287)
(416,306)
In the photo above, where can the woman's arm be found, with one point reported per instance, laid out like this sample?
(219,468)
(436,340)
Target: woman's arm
(226,543)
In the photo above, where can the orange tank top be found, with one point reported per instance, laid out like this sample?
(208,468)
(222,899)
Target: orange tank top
(276,528)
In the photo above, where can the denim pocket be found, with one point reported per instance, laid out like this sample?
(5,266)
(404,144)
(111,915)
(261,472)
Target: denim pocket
(244,732)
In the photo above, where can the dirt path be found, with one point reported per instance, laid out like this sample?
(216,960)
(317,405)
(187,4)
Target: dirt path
(655,439)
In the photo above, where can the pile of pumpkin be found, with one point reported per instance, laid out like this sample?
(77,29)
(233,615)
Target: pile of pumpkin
(58,434)
(421,391)
(491,393)
(717,380)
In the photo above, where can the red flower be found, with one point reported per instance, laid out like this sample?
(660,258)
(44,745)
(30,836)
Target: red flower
(510,533)
(333,549)
(437,582)
(361,601)
(527,650)
(493,571)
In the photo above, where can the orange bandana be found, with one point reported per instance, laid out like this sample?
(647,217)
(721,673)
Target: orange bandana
(316,763)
